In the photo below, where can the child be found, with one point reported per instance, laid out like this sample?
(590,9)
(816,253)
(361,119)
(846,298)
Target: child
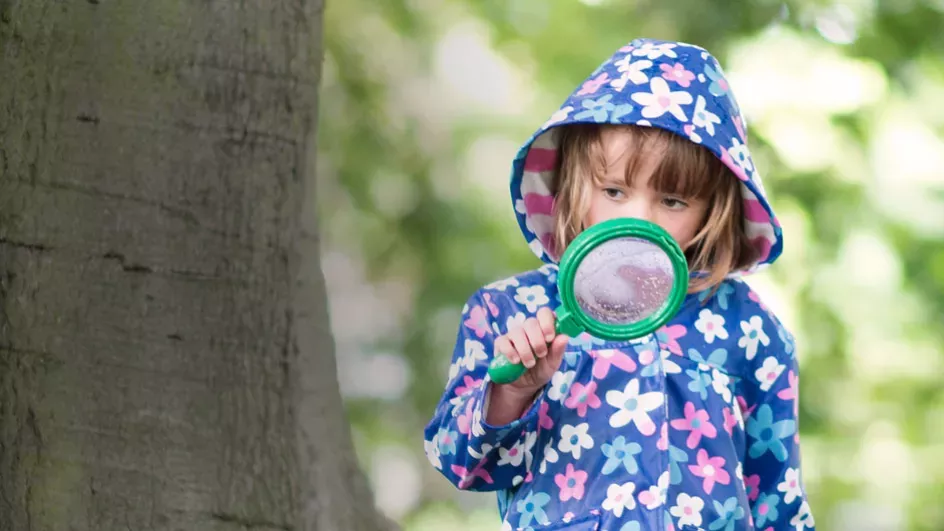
(693,427)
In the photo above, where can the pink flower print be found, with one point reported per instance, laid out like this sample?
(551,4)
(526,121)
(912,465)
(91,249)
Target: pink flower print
(571,483)
(646,357)
(593,85)
(669,336)
(697,422)
(730,421)
(756,298)
(677,73)
(544,420)
(582,397)
(478,321)
(467,477)
(492,308)
(791,393)
(465,420)
(742,403)
(663,442)
(603,359)
(468,383)
(752,486)
(711,469)
(740,128)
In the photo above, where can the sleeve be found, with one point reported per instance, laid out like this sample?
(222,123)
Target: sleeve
(469,452)
(770,402)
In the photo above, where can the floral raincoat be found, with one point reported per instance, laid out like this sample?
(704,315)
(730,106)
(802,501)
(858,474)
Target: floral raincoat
(691,428)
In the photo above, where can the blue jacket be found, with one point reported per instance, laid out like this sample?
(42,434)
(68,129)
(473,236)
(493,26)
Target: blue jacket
(691,428)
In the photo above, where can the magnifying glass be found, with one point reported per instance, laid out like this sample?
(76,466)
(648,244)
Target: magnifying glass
(618,280)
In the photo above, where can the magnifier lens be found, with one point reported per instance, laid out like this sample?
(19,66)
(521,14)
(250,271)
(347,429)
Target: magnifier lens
(623,281)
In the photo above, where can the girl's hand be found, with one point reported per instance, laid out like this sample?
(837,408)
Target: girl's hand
(537,345)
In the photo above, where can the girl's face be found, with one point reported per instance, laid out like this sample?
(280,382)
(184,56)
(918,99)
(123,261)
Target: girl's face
(614,198)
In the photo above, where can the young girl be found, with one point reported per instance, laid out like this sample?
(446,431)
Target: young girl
(691,428)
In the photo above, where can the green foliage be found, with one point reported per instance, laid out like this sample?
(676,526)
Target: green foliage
(407,192)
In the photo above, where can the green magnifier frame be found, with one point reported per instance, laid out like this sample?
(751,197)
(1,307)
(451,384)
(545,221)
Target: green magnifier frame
(572,321)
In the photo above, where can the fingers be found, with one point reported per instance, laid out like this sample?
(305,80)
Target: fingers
(556,351)
(548,323)
(521,346)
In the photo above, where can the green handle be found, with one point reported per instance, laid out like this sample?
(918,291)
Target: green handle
(503,371)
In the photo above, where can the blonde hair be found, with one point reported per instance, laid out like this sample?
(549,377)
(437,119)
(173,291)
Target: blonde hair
(685,169)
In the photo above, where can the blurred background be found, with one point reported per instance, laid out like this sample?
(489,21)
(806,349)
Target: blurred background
(423,105)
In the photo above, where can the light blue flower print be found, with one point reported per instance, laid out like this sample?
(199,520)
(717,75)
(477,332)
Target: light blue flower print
(724,291)
(601,110)
(532,509)
(630,526)
(717,357)
(786,339)
(728,514)
(765,510)
(676,457)
(585,341)
(700,383)
(619,453)
(447,441)
(767,434)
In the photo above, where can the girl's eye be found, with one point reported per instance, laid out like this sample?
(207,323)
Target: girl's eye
(613,193)
(674,204)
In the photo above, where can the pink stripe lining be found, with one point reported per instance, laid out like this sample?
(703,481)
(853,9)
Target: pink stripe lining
(539,204)
(540,159)
(755,212)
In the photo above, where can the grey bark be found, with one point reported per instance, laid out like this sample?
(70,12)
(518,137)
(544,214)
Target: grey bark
(165,356)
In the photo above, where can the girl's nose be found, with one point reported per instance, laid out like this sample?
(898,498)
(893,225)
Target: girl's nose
(639,209)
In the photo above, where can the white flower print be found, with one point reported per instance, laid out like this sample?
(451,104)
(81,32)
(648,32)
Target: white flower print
(720,382)
(790,485)
(574,439)
(704,119)
(560,385)
(550,456)
(711,325)
(474,352)
(670,366)
(536,246)
(688,509)
(521,451)
(620,497)
(515,320)
(501,285)
(506,526)
(517,480)
(654,51)
(478,429)
(740,155)
(803,519)
(768,373)
(559,116)
(632,71)
(662,100)
(432,451)
(633,407)
(754,334)
(533,297)
(481,453)
(655,495)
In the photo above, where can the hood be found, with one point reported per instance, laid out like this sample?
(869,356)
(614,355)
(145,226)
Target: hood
(675,86)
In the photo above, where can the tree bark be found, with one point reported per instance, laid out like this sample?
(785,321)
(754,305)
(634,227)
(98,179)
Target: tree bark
(166,361)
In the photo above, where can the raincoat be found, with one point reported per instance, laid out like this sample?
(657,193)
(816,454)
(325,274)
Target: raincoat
(691,428)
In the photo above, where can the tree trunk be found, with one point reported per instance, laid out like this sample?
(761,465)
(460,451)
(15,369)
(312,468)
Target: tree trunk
(165,355)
